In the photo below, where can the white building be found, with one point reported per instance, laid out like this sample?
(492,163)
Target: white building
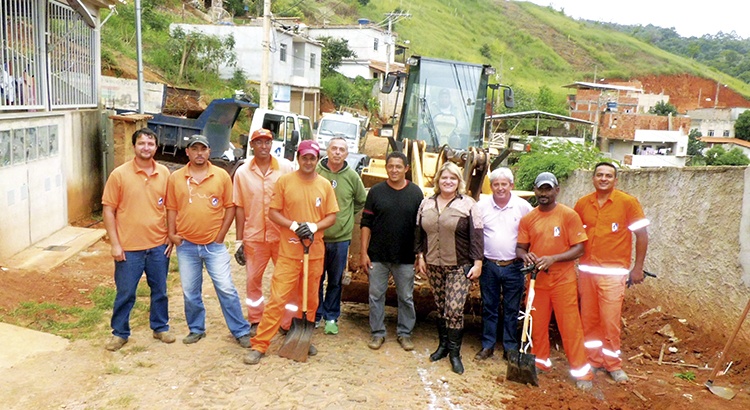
(715,122)
(652,149)
(51,134)
(294,72)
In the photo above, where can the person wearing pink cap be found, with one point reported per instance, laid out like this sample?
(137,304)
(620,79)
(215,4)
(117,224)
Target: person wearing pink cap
(303,205)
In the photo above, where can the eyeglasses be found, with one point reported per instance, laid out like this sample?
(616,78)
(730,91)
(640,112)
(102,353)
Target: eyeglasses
(263,142)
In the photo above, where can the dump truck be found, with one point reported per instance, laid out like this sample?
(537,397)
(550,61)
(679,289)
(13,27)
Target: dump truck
(348,126)
(441,119)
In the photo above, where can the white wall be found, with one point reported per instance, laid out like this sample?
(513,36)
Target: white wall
(361,40)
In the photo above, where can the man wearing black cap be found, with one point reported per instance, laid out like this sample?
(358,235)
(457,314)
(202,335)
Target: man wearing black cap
(552,237)
(200,211)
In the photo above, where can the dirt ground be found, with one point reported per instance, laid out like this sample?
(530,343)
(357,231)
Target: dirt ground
(345,374)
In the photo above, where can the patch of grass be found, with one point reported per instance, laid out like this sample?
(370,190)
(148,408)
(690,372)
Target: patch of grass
(113,369)
(144,364)
(688,375)
(136,349)
(122,402)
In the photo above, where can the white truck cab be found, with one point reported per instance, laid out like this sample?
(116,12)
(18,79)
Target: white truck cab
(340,124)
(284,126)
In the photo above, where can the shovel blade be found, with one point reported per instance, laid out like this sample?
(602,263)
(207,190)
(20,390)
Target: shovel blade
(297,342)
(522,368)
(723,392)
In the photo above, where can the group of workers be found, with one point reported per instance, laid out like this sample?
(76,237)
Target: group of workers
(448,237)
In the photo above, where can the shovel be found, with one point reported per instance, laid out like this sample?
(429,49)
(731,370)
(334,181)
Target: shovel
(297,342)
(521,365)
(726,392)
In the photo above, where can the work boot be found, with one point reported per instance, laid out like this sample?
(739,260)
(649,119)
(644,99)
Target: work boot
(165,337)
(244,341)
(253,357)
(484,354)
(619,376)
(193,338)
(442,349)
(376,342)
(455,338)
(312,350)
(253,329)
(115,343)
(406,343)
(584,385)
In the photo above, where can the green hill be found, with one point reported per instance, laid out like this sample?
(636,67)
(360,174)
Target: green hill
(530,45)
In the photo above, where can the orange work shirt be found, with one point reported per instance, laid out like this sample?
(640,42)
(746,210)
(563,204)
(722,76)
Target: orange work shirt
(200,206)
(303,201)
(138,200)
(609,230)
(551,233)
(252,192)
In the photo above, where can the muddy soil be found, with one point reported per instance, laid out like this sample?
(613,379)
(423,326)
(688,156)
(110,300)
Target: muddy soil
(345,374)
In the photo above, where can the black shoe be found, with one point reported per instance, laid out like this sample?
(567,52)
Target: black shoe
(455,338)
(253,329)
(442,350)
(193,338)
(484,354)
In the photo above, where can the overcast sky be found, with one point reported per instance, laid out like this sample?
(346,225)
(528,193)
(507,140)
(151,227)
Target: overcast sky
(688,17)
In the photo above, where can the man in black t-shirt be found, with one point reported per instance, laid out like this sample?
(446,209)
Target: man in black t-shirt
(388,222)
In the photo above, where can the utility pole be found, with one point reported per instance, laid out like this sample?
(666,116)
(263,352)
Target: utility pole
(139,55)
(266,55)
(389,39)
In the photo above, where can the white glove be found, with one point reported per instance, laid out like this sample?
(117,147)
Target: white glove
(294,226)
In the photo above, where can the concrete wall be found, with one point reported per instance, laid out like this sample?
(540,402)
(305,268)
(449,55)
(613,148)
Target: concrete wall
(699,239)
(82,163)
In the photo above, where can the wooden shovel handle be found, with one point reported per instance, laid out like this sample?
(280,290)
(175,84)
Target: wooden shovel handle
(305,272)
(725,350)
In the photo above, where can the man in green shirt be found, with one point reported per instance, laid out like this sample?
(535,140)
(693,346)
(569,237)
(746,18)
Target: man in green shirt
(351,195)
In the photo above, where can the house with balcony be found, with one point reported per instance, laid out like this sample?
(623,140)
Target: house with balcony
(624,128)
(50,121)
(294,71)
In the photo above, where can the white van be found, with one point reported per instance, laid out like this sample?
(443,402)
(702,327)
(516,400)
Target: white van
(284,126)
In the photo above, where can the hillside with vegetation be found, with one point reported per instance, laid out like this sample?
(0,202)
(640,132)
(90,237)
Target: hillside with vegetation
(535,49)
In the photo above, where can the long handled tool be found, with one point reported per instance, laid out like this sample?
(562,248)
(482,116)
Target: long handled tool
(297,342)
(726,392)
(521,365)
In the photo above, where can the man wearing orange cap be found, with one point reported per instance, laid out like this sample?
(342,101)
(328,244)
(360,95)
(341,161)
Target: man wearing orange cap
(303,205)
(258,236)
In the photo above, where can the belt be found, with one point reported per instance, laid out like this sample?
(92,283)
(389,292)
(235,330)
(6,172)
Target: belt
(501,263)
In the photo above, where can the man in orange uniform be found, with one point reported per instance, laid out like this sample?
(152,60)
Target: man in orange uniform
(303,205)
(259,237)
(200,211)
(135,219)
(610,217)
(552,237)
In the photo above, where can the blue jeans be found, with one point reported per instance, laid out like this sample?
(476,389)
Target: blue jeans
(403,275)
(191,257)
(127,275)
(508,282)
(329,307)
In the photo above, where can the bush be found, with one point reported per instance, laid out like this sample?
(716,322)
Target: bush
(559,158)
(718,156)
(345,92)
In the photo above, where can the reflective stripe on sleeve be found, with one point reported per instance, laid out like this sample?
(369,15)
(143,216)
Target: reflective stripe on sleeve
(639,224)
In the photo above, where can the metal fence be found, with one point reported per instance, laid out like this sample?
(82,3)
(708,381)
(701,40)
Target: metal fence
(48,57)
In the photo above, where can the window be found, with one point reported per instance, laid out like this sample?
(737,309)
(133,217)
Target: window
(282,52)
(710,133)
(49,57)
(312,60)
(726,133)
(375,44)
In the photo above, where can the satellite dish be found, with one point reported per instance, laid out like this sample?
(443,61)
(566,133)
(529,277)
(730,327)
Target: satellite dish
(83,11)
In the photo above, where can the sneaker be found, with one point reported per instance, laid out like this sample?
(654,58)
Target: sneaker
(253,357)
(376,342)
(332,328)
(319,323)
(165,337)
(115,343)
(619,376)
(584,385)
(312,350)
(406,343)
(253,329)
(244,341)
(193,338)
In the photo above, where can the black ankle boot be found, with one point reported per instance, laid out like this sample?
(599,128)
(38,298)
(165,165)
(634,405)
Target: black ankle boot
(455,338)
(442,349)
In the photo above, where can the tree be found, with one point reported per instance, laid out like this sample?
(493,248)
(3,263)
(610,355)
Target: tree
(742,126)
(695,148)
(717,156)
(202,52)
(663,108)
(334,51)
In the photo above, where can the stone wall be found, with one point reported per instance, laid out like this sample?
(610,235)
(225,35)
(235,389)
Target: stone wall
(699,239)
